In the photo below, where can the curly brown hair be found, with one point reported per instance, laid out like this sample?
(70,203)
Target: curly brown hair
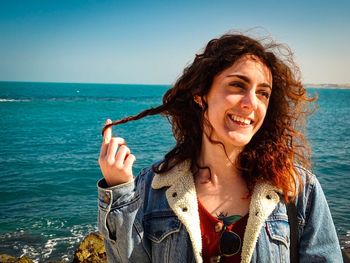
(279,144)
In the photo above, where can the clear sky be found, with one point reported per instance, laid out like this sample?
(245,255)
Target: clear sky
(150,42)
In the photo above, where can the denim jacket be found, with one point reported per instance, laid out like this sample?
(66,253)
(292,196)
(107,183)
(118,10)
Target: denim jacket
(155,218)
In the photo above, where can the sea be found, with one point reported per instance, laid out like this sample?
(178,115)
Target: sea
(50,136)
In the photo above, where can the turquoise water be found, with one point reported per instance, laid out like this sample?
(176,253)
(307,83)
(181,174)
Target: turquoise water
(50,140)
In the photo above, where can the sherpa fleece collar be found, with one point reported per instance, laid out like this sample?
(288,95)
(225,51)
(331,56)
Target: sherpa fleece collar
(182,198)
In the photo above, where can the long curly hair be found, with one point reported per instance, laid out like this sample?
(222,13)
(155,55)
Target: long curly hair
(276,148)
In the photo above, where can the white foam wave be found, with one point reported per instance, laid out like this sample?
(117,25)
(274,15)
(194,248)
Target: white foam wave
(78,232)
(51,244)
(61,244)
(32,252)
(13,100)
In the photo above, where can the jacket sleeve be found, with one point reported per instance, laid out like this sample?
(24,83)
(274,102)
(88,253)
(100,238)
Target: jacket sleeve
(120,220)
(318,237)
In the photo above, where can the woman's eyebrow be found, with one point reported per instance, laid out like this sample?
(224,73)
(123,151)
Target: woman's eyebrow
(246,79)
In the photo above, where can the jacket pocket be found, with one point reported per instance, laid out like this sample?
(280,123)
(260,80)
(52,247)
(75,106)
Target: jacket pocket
(159,225)
(163,237)
(278,229)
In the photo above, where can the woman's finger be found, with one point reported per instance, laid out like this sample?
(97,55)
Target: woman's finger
(113,146)
(129,161)
(107,135)
(121,155)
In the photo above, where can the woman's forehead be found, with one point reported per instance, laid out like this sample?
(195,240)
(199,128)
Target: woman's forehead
(250,66)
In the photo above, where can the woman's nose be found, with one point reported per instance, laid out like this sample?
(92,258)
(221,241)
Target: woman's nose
(249,100)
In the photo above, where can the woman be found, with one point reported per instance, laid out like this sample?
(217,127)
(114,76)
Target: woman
(221,194)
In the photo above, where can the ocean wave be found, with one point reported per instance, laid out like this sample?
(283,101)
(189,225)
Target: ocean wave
(14,100)
(53,246)
(44,246)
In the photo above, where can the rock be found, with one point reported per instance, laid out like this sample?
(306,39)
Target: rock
(4,258)
(25,259)
(346,255)
(91,250)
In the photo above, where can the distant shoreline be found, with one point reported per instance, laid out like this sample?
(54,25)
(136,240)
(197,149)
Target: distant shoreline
(328,85)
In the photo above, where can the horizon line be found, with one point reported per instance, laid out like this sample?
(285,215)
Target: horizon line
(101,83)
(155,84)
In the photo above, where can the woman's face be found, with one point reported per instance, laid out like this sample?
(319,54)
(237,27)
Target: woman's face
(238,100)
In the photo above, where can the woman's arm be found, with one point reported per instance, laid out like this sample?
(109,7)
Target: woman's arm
(120,198)
(120,220)
(318,237)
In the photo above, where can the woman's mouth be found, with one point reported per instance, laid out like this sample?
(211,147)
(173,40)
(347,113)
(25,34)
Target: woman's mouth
(242,121)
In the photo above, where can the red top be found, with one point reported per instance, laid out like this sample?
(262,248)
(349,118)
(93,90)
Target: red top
(211,229)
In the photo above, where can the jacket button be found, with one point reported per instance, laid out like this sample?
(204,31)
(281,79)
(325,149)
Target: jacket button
(106,199)
(184,209)
(218,227)
(174,194)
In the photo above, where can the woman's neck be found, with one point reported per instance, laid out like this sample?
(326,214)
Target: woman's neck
(221,188)
(221,161)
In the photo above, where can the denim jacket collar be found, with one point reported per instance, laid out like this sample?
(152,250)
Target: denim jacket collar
(182,198)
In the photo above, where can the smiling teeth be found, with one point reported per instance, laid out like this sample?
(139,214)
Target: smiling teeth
(241,119)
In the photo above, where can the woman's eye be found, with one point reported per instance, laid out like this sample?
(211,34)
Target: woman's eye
(265,94)
(237,85)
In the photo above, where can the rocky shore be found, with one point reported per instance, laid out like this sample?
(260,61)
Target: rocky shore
(91,250)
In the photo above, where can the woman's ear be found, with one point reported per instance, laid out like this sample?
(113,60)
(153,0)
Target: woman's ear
(198,100)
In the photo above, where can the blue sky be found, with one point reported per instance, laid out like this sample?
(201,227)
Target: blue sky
(150,42)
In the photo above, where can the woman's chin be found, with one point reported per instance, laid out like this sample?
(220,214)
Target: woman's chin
(238,139)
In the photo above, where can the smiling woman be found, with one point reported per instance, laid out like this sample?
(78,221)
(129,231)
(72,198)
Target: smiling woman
(221,194)
(237,101)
